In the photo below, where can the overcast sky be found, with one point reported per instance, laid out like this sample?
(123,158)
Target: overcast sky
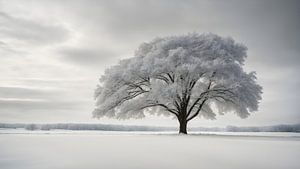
(52,52)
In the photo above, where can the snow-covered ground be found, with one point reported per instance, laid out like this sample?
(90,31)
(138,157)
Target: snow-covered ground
(21,149)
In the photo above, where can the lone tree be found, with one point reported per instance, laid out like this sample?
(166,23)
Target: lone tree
(184,76)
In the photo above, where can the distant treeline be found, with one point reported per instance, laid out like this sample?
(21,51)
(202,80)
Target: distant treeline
(111,127)
(275,128)
(81,126)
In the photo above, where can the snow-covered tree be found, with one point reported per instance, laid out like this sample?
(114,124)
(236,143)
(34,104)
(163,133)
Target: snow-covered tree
(184,76)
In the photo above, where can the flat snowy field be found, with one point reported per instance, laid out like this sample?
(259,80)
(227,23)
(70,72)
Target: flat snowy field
(92,150)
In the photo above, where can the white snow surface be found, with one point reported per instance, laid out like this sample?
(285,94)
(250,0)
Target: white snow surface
(145,150)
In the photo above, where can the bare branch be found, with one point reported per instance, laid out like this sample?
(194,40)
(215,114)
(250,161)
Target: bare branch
(173,111)
(198,111)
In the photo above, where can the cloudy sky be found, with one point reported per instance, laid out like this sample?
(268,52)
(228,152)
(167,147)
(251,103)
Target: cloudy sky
(52,52)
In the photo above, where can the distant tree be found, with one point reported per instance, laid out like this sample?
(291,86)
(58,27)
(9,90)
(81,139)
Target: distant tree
(31,127)
(183,76)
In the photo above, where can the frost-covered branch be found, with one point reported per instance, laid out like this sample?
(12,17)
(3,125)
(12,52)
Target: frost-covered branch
(173,111)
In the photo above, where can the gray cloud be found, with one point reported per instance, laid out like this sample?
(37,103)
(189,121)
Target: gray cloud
(21,92)
(4,47)
(88,57)
(33,102)
(30,31)
(27,105)
(270,28)
(2,44)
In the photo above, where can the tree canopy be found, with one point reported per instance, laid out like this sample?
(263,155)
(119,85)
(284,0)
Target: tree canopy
(187,76)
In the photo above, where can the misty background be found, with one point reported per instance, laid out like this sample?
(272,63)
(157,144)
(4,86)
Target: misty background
(53,52)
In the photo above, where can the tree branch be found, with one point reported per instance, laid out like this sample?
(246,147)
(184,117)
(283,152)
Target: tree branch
(199,98)
(198,111)
(173,111)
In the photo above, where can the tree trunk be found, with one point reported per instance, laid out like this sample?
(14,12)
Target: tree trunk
(182,127)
